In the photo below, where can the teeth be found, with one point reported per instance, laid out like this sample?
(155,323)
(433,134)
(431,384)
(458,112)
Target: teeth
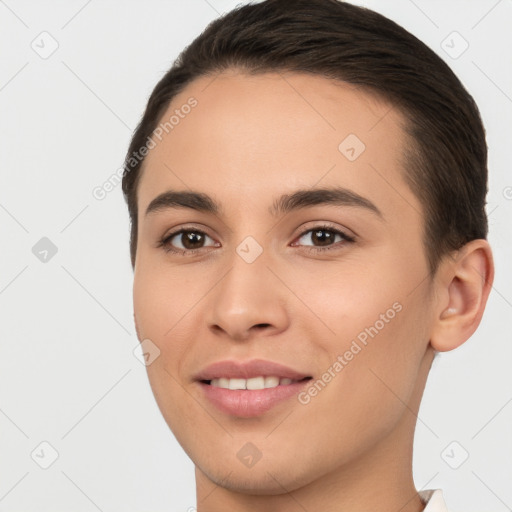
(237,384)
(271,382)
(253,383)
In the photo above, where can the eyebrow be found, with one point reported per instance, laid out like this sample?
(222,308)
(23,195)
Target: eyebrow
(337,196)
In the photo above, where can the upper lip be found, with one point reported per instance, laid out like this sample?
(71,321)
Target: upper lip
(232,369)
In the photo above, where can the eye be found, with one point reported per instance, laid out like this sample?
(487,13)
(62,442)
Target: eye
(186,241)
(326,237)
(189,241)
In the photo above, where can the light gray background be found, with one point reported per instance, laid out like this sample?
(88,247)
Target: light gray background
(68,373)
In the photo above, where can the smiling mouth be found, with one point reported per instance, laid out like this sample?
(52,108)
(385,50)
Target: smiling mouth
(252,384)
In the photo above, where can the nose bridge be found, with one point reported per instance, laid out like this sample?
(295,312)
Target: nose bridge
(248,294)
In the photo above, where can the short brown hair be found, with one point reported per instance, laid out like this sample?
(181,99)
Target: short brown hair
(446,163)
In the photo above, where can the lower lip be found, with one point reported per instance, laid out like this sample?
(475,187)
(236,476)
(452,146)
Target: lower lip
(250,403)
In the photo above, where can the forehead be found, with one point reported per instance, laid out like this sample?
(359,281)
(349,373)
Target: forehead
(248,138)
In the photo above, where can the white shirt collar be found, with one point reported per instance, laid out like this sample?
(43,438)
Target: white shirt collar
(434,500)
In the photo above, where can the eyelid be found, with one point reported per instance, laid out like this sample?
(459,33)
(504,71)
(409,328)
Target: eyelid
(186,227)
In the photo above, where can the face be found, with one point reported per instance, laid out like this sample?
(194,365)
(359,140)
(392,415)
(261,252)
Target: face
(333,286)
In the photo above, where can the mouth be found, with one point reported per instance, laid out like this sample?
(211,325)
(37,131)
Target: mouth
(249,398)
(245,389)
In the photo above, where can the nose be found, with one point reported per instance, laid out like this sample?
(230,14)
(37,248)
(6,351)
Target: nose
(248,299)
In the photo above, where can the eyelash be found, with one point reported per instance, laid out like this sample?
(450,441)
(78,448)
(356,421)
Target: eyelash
(166,245)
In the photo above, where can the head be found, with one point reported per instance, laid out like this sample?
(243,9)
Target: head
(284,117)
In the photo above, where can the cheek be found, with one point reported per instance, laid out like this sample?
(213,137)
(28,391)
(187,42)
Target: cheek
(160,299)
(380,336)
(161,303)
(366,398)
(345,296)
(160,306)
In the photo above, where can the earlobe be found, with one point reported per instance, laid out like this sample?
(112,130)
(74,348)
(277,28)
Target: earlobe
(466,282)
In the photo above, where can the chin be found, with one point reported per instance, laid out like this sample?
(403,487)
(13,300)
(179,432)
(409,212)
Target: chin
(261,479)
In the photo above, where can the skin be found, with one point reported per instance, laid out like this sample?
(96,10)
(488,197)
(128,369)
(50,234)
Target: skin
(249,140)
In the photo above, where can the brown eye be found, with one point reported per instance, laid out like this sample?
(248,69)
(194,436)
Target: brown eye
(191,239)
(185,240)
(324,237)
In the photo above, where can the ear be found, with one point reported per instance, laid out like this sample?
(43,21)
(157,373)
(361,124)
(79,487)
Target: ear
(463,286)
